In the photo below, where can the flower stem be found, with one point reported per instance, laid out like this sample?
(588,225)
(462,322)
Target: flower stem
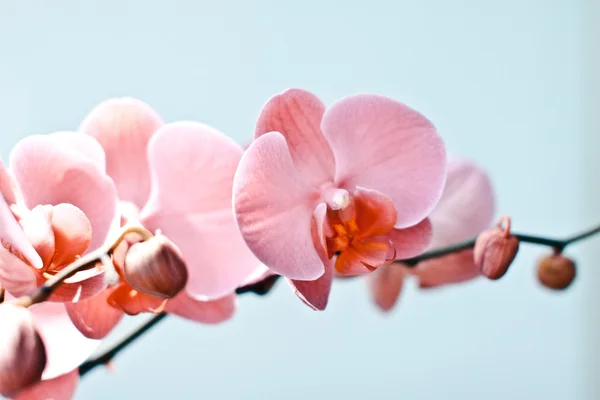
(265,286)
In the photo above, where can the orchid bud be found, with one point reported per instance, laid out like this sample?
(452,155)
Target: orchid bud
(155,267)
(556,272)
(495,250)
(23,356)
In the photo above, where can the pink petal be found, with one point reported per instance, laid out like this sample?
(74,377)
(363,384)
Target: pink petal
(382,144)
(49,174)
(80,286)
(386,284)
(72,233)
(93,317)
(18,278)
(86,145)
(59,388)
(412,241)
(315,294)
(207,312)
(12,235)
(8,185)
(261,273)
(375,212)
(453,268)
(190,203)
(123,127)
(274,209)
(66,347)
(467,204)
(37,227)
(297,115)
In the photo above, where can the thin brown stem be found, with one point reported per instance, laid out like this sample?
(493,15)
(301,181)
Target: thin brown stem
(263,287)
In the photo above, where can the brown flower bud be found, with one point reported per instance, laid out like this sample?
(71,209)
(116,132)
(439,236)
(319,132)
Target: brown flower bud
(495,250)
(556,272)
(155,267)
(23,356)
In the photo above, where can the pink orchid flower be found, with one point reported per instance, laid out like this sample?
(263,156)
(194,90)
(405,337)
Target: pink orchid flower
(174,178)
(64,204)
(465,210)
(344,189)
(66,348)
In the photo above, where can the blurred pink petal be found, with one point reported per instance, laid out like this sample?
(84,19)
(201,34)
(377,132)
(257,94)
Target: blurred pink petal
(18,278)
(123,127)
(60,388)
(259,274)
(382,144)
(207,312)
(86,145)
(386,284)
(413,241)
(13,237)
(8,185)
(297,115)
(453,268)
(467,204)
(93,317)
(49,174)
(66,347)
(274,209)
(190,203)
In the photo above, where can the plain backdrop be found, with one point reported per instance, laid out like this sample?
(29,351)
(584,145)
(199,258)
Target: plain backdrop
(510,84)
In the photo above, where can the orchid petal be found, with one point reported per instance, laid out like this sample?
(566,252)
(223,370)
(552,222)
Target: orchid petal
(86,145)
(190,203)
(453,268)
(8,185)
(315,294)
(274,209)
(386,284)
(60,388)
(382,144)
(412,241)
(297,115)
(12,235)
(49,174)
(66,347)
(467,204)
(123,127)
(93,317)
(206,312)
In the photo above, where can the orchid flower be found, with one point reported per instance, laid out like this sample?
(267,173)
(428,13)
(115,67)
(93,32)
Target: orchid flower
(342,189)
(465,210)
(56,204)
(173,178)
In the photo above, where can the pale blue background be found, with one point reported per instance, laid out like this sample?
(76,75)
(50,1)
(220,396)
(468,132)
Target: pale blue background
(508,83)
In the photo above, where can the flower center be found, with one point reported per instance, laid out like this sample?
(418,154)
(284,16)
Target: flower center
(359,227)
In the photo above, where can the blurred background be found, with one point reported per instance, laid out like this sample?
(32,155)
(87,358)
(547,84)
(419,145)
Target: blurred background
(512,85)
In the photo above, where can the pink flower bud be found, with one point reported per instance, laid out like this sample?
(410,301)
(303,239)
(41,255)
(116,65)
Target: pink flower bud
(155,267)
(556,272)
(23,356)
(495,250)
